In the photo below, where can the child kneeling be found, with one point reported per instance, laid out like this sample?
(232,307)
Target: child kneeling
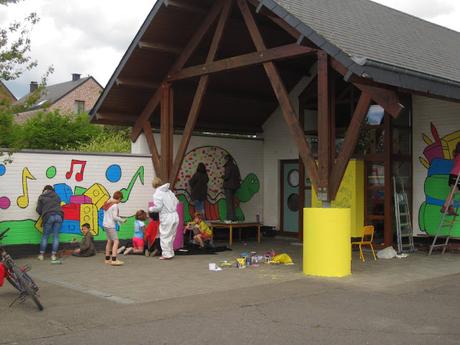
(201,231)
(138,239)
(86,247)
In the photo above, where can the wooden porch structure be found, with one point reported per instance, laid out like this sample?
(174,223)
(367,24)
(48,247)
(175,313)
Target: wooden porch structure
(238,54)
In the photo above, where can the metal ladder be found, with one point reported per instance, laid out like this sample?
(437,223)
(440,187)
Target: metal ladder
(404,231)
(446,222)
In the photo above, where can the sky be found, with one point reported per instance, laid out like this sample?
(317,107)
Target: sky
(90,37)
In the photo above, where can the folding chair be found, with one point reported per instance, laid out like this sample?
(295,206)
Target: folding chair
(366,239)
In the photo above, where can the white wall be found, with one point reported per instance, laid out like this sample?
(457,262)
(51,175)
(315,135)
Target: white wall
(278,145)
(446,118)
(22,181)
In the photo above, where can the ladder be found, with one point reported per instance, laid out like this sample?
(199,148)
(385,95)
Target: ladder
(447,221)
(404,231)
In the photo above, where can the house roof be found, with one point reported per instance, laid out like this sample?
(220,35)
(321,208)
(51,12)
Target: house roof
(370,40)
(5,89)
(375,40)
(52,93)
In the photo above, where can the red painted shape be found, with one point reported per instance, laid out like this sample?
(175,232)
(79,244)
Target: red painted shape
(78,175)
(71,212)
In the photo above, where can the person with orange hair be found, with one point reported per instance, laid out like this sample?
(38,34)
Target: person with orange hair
(111,219)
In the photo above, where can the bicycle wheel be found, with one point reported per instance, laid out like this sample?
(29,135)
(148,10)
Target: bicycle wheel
(13,281)
(28,286)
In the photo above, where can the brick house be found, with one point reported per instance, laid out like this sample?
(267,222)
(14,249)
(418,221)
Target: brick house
(75,96)
(5,93)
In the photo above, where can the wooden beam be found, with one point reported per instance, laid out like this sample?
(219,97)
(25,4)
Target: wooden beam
(159,47)
(137,83)
(282,95)
(179,5)
(191,46)
(384,97)
(200,92)
(152,146)
(324,124)
(240,61)
(166,130)
(349,143)
(280,22)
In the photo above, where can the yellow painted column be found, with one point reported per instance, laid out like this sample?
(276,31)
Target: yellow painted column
(326,242)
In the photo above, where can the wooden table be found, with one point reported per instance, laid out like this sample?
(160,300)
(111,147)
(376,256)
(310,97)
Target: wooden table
(236,225)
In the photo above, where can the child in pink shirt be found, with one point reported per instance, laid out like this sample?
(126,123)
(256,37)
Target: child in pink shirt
(448,205)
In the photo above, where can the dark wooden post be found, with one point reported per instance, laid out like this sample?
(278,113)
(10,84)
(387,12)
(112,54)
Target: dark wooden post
(282,95)
(324,127)
(166,130)
(388,191)
(200,93)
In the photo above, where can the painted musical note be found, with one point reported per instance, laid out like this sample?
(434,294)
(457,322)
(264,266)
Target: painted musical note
(23,200)
(127,191)
(78,175)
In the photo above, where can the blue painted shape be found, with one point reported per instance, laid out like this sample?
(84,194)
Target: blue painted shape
(433,201)
(64,191)
(71,227)
(2,169)
(100,217)
(440,167)
(113,173)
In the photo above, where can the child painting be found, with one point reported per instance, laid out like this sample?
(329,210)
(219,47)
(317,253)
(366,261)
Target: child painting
(86,247)
(152,236)
(111,218)
(138,238)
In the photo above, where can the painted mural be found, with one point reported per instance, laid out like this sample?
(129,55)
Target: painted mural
(213,158)
(438,160)
(83,184)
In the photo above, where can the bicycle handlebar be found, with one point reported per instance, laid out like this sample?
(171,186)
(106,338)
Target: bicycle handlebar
(3,233)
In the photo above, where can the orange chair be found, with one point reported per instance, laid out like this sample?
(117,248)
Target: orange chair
(366,239)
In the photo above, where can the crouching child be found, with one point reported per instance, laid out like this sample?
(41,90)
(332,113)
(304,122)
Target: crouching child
(86,246)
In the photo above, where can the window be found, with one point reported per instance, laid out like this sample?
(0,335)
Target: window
(79,107)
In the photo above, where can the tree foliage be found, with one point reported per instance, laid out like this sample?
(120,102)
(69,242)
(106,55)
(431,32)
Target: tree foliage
(15,45)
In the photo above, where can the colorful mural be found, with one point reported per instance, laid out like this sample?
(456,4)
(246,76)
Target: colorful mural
(213,158)
(81,203)
(437,159)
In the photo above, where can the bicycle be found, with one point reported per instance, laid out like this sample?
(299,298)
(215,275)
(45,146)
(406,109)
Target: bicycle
(18,277)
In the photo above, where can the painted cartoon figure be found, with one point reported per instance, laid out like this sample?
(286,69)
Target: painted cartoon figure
(438,159)
(215,206)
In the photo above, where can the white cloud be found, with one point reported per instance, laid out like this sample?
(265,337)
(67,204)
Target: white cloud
(90,37)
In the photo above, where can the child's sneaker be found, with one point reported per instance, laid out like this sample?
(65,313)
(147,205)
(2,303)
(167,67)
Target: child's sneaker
(107,261)
(40,257)
(55,260)
(117,263)
(146,253)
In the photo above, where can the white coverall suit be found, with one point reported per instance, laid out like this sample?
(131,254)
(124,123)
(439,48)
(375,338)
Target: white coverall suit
(165,202)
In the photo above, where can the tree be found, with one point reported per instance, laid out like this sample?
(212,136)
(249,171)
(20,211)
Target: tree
(56,131)
(15,46)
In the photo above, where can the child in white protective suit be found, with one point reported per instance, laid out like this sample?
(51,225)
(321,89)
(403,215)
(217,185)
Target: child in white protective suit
(165,203)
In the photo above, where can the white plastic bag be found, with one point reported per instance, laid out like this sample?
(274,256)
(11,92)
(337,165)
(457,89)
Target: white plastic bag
(387,253)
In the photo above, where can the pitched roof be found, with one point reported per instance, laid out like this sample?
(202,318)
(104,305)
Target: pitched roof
(374,40)
(370,40)
(5,89)
(52,93)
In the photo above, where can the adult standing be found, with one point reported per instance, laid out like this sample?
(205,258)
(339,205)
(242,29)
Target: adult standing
(49,208)
(232,181)
(165,203)
(199,188)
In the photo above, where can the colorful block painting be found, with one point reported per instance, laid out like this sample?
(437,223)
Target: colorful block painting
(438,164)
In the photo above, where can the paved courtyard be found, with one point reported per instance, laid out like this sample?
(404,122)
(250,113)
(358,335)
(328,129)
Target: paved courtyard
(399,301)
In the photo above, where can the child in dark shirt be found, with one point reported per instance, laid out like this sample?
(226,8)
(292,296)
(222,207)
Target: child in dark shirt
(86,247)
